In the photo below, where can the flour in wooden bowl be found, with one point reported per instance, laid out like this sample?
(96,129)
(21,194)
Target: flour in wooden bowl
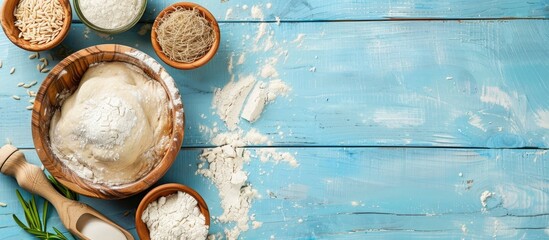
(176,216)
(112,129)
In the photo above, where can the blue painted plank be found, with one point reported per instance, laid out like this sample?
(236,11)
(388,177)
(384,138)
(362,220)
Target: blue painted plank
(468,84)
(389,193)
(323,10)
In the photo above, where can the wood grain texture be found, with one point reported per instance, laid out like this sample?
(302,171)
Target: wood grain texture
(389,193)
(322,10)
(469,84)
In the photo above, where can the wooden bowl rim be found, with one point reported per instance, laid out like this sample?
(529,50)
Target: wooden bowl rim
(60,171)
(24,44)
(162,191)
(198,63)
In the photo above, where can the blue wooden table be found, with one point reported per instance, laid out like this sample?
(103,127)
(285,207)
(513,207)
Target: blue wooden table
(401,114)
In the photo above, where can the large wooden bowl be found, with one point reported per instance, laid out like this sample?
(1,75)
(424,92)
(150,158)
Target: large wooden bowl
(163,191)
(180,65)
(63,80)
(12,32)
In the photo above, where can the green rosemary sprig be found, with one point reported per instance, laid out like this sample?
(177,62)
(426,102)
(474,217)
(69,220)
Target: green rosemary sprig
(62,189)
(38,226)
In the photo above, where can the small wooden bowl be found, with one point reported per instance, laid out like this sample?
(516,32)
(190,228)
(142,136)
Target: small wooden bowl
(12,32)
(162,191)
(179,65)
(64,79)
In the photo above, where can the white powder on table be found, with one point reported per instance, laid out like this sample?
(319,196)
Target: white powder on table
(110,14)
(176,216)
(261,95)
(484,198)
(229,100)
(242,97)
(114,127)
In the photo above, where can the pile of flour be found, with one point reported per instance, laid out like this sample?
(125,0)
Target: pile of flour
(114,127)
(245,96)
(176,216)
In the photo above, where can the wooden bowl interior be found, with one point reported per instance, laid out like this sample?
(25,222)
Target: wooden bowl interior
(12,32)
(179,65)
(162,191)
(62,81)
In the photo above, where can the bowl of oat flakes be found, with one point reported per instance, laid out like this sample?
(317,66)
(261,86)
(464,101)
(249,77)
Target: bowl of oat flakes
(36,25)
(108,121)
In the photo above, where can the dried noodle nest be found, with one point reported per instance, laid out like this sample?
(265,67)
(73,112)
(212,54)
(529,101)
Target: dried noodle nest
(185,35)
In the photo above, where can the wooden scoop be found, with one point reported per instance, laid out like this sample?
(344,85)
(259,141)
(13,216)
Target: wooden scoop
(80,219)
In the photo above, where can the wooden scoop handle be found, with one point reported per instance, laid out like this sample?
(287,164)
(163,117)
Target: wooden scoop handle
(32,178)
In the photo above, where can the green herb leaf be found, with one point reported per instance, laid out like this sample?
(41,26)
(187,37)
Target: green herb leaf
(37,225)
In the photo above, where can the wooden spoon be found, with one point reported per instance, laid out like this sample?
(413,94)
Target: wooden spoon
(77,217)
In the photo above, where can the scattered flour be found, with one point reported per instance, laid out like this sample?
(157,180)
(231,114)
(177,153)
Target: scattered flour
(230,64)
(176,216)
(261,95)
(484,198)
(229,100)
(257,12)
(256,224)
(229,13)
(243,96)
(262,29)
(241,59)
(277,19)
(464,228)
(268,70)
(299,39)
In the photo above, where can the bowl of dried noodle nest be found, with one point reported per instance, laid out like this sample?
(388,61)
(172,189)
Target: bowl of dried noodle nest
(36,25)
(185,35)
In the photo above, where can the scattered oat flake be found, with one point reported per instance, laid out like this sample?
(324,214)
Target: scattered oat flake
(126,213)
(12,70)
(45,70)
(3,204)
(33,83)
(16,97)
(0,63)
(27,86)
(20,84)
(32,56)
(31,101)
(29,107)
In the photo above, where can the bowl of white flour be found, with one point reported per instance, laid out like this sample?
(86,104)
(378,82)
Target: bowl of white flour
(172,211)
(108,121)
